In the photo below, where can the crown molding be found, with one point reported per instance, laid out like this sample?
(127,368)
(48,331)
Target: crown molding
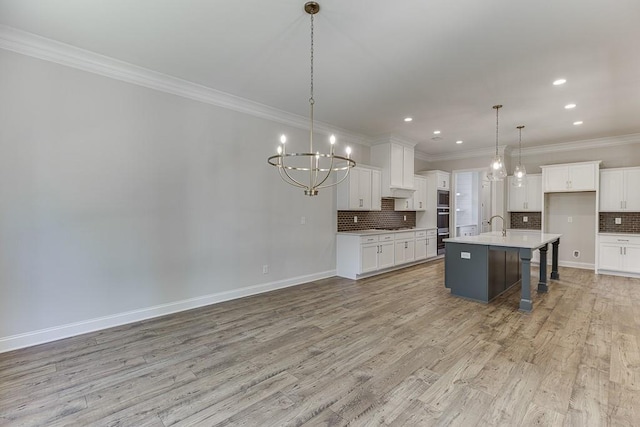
(467,154)
(35,46)
(381,139)
(508,151)
(609,141)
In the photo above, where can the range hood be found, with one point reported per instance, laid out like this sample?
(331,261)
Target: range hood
(395,157)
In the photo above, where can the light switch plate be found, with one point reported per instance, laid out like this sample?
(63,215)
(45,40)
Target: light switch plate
(618,221)
(525,219)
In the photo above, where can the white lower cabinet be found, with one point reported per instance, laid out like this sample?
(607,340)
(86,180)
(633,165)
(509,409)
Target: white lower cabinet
(432,243)
(421,245)
(359,255)
(619,254)
(405,247)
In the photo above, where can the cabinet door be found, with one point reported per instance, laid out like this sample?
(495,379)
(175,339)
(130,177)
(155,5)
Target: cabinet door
(534,193)
(631,258)
(432,247)
(386,255)
(403,204)
(611,186)
(410,251)
(556,178)
(610,256)
(517,195)
(631,189)
(399,252)
(420,196)
(369,257)
(364,189)
(421,248)
(582,177)
(407,167)
(443,180)
(376,197)
(396,169)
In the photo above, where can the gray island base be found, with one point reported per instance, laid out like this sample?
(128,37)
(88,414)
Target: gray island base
(482,267)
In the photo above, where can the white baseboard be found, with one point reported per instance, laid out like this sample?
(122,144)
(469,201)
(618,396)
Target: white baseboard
(581,265)
(41,336)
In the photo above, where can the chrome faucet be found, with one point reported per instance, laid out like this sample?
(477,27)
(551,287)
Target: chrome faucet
(504,231)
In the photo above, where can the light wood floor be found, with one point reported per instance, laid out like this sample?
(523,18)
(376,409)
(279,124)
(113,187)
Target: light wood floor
(396,349)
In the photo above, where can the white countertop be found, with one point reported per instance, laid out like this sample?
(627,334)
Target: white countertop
(514,239)
(376,231)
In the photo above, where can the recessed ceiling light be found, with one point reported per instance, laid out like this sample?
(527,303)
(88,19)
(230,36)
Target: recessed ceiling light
(559,82)
(570,106)
(458,142)
(578,123)
(436,132)
(408,119)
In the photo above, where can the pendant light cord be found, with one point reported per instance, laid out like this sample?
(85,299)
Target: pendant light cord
(311,100)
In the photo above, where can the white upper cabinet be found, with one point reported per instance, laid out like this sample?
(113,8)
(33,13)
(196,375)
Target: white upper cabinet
(419,200)
(528,197)
(570,177)
(443,179)
(376,197)
(361,190)
(620,190)
(420,196)
(396,161)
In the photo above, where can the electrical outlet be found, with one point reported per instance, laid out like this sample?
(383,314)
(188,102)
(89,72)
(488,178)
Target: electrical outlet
(405,217)
(265,269)
(570,219)
(355,219)
(303,220)
(618,221)
(525,219)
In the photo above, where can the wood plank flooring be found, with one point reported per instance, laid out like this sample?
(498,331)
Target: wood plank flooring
(395,349)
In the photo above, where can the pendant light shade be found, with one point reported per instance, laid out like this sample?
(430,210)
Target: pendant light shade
(519,173)
(497,170)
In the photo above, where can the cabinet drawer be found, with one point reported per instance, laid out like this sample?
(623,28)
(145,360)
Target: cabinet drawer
(432,232)
(368,239)
(421,233)
(385,237)
(621,239)
(406,235)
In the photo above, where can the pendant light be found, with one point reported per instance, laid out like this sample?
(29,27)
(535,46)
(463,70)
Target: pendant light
(497,171)
(311,171)
(519,173)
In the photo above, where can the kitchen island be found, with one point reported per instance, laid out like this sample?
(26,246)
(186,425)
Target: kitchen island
(484,266)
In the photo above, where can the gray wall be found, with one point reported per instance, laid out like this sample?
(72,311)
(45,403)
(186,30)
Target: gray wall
(117,198)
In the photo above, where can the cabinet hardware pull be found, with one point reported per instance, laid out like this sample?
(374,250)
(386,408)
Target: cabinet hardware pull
(620,250)
(625,251)
(623,240)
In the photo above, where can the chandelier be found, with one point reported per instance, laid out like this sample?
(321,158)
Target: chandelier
(497,171)
(311,171)
(519,173)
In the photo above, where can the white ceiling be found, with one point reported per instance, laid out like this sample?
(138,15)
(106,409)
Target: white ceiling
(443,62)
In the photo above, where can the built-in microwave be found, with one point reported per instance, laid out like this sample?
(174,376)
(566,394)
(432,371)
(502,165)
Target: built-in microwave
(443,199)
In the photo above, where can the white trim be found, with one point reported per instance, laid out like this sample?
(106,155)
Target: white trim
(581,265)
(618,273)
(487,152)
(46,49)
(72,329)
(610,141)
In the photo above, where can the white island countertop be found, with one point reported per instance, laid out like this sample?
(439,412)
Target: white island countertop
(514,239)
